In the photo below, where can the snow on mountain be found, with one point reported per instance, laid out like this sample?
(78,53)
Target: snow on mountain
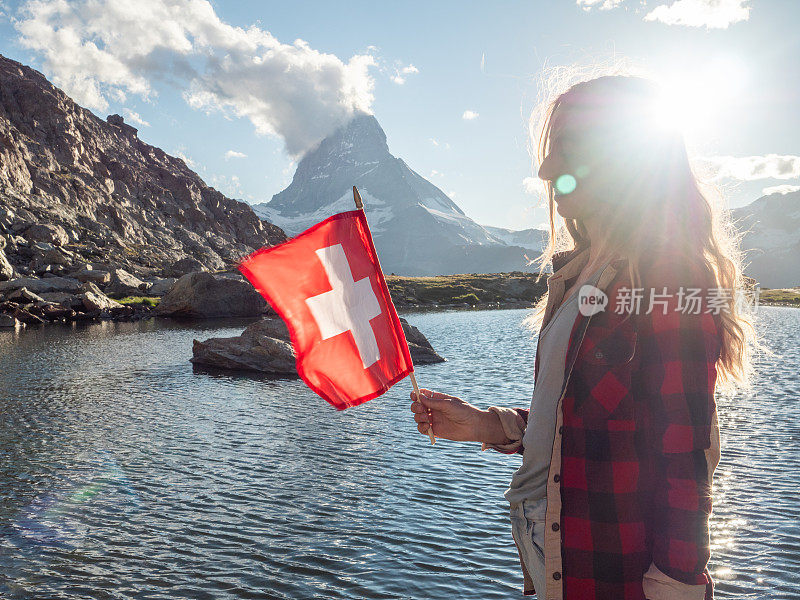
(418,229)
(530,239)
(772,239)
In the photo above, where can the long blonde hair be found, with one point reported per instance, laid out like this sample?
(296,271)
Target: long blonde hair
(655,202)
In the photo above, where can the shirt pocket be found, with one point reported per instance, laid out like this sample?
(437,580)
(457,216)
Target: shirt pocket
(603,372)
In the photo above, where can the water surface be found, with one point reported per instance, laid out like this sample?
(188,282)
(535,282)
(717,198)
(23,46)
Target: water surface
(125,473)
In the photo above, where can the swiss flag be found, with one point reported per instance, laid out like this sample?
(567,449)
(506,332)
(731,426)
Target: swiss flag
(328,286)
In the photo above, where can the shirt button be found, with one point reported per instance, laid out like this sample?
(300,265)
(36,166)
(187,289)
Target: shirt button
(556,575)
(555,527)
(556,478)
(598,354)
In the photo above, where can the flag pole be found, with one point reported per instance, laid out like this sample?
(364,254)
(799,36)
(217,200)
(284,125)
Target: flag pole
(360,206)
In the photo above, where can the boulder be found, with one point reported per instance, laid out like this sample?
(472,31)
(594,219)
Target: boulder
(94,301)
(8,321)
(45,232)
(97,277)
(27,317)
(265,346)
(422,353)
(202,295)
(56,312)
(38,286)
(57,256)
(122,284)
(62,298)
(183,267)
(6,270)
(24,296)
(159,287)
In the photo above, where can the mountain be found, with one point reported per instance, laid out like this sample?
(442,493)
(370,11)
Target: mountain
(418,229)
(98,193)
(530,239)
(772,239)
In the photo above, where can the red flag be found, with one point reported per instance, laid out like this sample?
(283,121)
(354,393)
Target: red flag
(328,287)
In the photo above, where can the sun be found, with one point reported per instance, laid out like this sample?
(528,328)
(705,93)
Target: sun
(695,96)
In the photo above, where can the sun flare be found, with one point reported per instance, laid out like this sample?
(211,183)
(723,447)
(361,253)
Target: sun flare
(695,96)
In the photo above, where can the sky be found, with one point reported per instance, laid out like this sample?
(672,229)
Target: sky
(242,89)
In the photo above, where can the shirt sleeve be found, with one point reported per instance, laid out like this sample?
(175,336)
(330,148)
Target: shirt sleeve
(680,348)
(513,421)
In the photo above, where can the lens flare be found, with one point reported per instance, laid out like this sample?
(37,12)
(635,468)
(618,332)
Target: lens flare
(566,184)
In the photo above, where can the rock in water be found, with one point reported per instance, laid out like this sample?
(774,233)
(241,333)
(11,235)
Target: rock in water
(203,295)
(265,347)
(8,321)
(422,353)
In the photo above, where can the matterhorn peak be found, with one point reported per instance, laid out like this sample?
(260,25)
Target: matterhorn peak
(417,228)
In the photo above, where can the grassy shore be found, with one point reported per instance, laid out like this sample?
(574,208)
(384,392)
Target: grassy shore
(495,290)
(780,296)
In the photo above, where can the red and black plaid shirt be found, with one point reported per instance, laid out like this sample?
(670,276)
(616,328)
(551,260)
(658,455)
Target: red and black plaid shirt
(637,444)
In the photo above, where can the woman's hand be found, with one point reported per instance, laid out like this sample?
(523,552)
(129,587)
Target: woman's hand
(454,419)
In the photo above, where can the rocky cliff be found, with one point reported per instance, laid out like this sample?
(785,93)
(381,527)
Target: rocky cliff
(77,189)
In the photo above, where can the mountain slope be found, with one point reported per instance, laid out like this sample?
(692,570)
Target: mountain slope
(108,196)
(418,229)
(772,239)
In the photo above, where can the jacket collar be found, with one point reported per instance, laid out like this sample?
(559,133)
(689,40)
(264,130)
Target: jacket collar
(569,263)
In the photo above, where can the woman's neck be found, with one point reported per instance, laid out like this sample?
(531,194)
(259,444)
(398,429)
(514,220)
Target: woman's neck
(598,249)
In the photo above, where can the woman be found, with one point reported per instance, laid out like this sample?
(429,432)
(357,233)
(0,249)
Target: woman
(619,445)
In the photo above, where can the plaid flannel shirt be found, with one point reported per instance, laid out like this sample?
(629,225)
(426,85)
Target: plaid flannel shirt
(636,442)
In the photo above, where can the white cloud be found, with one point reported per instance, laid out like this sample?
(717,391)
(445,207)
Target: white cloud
(400,73)
(181,153)
(711,14)
(469,115)
(780,189)
(435,173)
(599,4)
(751,168)
(134,117)
(98,50)
(533,186)
(234,154)
(228,185)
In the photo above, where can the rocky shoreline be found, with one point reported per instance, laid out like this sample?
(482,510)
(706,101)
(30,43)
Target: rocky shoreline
(92,292)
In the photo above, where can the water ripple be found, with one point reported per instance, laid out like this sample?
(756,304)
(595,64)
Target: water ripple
(125,474)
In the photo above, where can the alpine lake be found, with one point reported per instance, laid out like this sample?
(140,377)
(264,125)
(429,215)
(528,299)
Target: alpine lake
(127,473)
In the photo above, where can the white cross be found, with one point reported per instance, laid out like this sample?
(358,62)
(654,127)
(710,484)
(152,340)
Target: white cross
(349,306)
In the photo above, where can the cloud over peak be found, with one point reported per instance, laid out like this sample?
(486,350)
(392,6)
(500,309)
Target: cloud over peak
(101,50)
